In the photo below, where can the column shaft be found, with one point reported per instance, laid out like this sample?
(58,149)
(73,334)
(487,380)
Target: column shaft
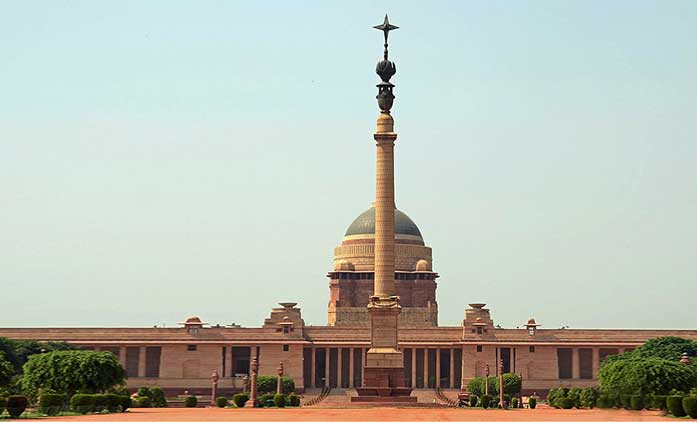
(384,217)
(313,374)
(413,367)
(351,367)
(326,366)
(338,367)
(452,368)
(575,364)
(437,367)
(141,362)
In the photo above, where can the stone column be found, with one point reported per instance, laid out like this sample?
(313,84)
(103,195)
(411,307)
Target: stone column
(425,367)
(279,379)
(596,362)
(326,366)
(363,354)
(437,368)
(462,370)
(141,362)
(351,368)
(575,364)
(231,364)
(122,355)
(413,367)
(338,367)
(384,208)
(312,368)
(452,368)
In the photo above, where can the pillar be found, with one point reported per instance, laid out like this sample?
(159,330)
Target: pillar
(141,362)
(230,364)
(326,366)
(338,367)
(596,362)
(437,368)
(363,352)
(351,368)
(452,368)
(575,364)
(425,367)
(122,355)
(413,367)
(313,372)
(384,207)
(462,371)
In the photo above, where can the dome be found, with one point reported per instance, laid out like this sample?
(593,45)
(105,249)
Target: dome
(404,227)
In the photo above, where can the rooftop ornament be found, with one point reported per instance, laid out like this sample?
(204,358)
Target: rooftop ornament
(386,69)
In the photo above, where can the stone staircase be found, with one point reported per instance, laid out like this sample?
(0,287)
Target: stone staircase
(341,397)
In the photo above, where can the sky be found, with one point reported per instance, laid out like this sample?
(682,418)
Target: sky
(163,159)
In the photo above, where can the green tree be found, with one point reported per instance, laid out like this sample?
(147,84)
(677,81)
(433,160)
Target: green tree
(512,384)
(670,348)
(636,374)
(72,371)
(17,352)
(6,370)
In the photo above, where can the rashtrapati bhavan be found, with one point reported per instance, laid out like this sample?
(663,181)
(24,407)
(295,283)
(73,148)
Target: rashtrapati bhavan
(382,328)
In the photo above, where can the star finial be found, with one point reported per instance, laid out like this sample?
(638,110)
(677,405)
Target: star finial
(386,27)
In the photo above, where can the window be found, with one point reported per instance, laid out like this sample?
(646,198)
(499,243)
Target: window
(479,330)
(531,331)
(564,363)
(152,361)
(193,330)
(286,347)
(531,349)
(191,347)
(479,349)
(286,329)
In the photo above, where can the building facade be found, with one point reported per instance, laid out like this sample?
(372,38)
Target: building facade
(183,359)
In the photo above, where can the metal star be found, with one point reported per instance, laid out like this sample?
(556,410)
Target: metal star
(386,27)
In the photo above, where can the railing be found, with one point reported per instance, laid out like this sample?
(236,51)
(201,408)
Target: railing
(445,399)
(322,395)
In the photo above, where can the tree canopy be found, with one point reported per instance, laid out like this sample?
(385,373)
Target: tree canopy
(72,371)
(6,370)
(512,384)
(652,368)
(17,352)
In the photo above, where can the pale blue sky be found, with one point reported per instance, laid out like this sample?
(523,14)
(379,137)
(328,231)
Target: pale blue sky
(160,159)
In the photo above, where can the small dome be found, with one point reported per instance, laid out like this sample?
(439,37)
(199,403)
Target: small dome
(532,323)
(344,266)
(423,265)
(404,227)
(193,320)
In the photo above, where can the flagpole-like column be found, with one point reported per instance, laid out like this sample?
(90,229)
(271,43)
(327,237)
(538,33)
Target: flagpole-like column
(384,366)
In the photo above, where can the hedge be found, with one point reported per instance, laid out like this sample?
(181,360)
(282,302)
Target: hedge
(100,402)
(659,402)
(267,384)
(266,400)
(566,402)
(588,397)
(125,403)
(674,404)
(82,403)
(532,402)
(473,400)
(514,403)
(16,405)
(485,401)
(280,400)
(113,401)
(689,405)
(636,402)
(190,401)
(52,404)
(3,404)
(293,399)
(240,399)
(221,401)
(605,402)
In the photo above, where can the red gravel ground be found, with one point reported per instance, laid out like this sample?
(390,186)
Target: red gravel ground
(370,414)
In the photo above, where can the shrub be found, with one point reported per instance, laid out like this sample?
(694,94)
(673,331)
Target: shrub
(158,397)
(3,404)
(632,374)
(293,400)
(473,400)
(636,402)
(674,404)
(605,402)
(689,405)
(125,402)
(659,402)
(566,402)
(588,398)
(575,395)
(512,384)
(144,401)
(266,400)
(82,403)
(514,402)
(280,400)
(485,401)
(100,402)
(144,392)
(190,401)
(626,401)
(51,404)
(16,405)
(267,384)
(532,402)
(113,401)
(240,399)
(221,401)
